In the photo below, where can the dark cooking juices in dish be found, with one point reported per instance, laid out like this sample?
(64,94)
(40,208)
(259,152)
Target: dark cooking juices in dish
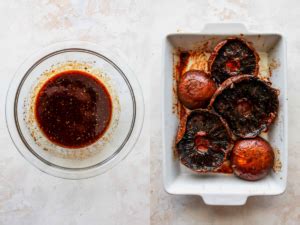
(73,109)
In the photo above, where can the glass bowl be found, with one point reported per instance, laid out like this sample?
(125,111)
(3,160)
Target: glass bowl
(108,150)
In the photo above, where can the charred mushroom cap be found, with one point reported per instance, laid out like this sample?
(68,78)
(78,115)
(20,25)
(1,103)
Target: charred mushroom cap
(206,142)
(232,57)
(249,105)
(252,159)
(195,89)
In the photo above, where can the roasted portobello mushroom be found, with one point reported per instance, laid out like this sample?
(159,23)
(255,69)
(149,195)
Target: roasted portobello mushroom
(248,104)
(252,159)
(195,89)
(232,57)
(206,141)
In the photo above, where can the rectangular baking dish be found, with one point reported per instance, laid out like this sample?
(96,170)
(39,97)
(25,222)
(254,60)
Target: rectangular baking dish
(219,189)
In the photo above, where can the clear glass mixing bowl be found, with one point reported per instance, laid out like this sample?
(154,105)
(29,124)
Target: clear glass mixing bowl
(112,147)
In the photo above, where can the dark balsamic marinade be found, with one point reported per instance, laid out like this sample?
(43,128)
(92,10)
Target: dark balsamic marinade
(73,109)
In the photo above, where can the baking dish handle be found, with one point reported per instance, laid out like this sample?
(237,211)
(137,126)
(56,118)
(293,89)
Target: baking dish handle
(225,28)
(224,199)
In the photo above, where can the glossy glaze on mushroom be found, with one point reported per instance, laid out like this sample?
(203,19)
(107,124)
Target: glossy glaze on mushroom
(195,89)
(252,159)
(206,141)
(232,57)
(249,105)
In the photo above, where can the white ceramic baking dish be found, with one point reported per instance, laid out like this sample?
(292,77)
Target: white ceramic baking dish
(219,189)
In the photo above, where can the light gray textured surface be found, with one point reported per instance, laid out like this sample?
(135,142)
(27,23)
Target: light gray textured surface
(135,29)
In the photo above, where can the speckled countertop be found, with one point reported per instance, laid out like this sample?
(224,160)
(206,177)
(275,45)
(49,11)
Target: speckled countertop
(132,193)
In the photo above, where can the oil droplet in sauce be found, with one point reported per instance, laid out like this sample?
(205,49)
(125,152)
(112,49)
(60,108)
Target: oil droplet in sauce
(73,109)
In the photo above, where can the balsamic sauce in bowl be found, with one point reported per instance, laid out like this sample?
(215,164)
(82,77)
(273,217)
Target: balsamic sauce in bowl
(73,109)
